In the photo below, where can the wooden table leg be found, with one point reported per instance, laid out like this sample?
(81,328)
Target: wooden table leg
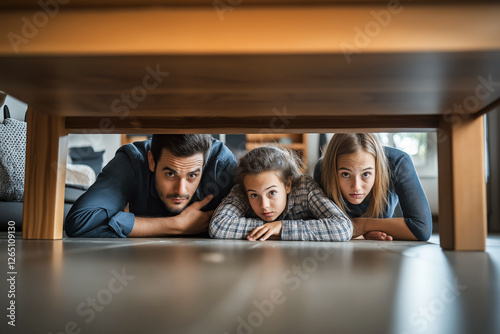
(46,151)
(462,184)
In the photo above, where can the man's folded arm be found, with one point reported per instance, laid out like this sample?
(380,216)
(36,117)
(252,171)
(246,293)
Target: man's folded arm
(154,227)
(99,212)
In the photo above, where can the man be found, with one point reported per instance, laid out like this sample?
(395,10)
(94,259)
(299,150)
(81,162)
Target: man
(171,183)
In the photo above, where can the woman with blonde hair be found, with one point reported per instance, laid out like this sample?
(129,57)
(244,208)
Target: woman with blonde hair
(367,180)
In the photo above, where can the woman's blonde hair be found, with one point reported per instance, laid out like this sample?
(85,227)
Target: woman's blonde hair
(348,143)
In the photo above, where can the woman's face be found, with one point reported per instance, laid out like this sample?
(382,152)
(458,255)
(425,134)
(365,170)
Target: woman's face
(356,175)
(267,194)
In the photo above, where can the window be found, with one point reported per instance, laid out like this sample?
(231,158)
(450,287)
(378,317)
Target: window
(421,146)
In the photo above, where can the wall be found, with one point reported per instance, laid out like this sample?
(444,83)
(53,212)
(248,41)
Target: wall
(17,108)
(108,143)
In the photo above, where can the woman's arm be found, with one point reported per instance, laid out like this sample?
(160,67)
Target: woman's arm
(382,229)
(228,220)
(327,223)
(416,223)
(414,205)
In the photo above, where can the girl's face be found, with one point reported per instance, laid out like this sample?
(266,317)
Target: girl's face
(267,194)
(356,175)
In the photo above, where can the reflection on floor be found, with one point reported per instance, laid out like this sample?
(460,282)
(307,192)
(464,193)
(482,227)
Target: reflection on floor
(188,285)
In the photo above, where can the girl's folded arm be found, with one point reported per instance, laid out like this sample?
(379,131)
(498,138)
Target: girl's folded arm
(228,220)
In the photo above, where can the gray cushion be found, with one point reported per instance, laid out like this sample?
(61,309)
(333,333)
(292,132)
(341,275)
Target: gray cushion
(12,157)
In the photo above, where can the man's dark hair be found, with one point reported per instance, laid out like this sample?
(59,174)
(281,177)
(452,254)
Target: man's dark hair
(181,145)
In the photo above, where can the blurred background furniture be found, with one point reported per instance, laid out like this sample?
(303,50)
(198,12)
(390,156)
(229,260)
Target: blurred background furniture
(296,142)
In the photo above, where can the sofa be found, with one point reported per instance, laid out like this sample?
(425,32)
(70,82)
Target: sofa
(13,211)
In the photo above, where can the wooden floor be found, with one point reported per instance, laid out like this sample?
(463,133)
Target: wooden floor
(193,285)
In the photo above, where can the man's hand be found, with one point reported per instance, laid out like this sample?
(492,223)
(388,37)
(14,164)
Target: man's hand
(192,220)
(267,231)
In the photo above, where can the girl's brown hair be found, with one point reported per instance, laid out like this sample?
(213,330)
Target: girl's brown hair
(268,158)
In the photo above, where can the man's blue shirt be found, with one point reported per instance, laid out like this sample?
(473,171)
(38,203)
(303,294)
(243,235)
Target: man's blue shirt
(127,179)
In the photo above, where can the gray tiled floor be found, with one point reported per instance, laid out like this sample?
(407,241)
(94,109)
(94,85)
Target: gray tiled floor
(187,285)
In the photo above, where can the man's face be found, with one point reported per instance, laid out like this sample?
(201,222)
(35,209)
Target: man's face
(176,179)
